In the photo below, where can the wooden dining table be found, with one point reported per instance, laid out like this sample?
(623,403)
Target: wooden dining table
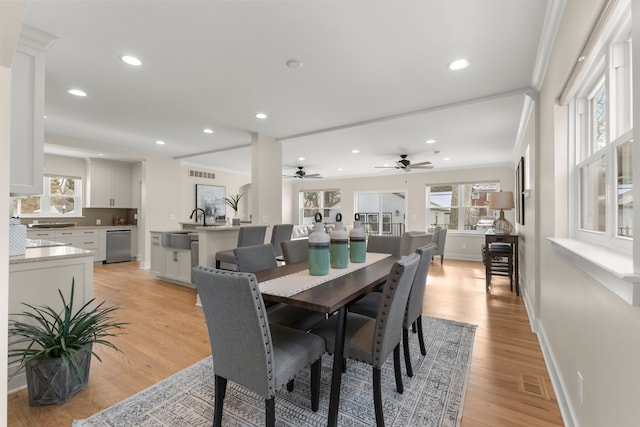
(332,296)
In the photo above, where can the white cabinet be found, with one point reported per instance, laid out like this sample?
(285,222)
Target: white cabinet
(157,254)
(83,238)
(110,185)
(177,264)
(27,111)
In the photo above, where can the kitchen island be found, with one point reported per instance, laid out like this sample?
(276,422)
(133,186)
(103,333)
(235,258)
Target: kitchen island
(36,276)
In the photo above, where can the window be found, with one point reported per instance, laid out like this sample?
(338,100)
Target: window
(62,197)
(327,202)
(603,173)
(461,207)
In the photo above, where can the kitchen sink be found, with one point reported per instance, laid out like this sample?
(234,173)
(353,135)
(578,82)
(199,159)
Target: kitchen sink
(53,225)
(177,240)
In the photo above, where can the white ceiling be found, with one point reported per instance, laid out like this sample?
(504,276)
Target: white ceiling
(374,78)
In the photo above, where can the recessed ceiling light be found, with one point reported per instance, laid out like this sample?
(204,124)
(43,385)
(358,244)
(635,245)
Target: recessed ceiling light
(582,58)
(301,158)
(447,159)
(159,142)
(77,92)
(459,64)
(101,154)
(207,130)
(386,165)
(261,116)
(355,151)
(131,60)
(340,169)
(294,64)
(430,141)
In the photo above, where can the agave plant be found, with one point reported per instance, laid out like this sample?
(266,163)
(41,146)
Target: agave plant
(48,334)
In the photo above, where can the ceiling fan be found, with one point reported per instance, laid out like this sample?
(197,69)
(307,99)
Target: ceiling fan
(406,165)
(300,173)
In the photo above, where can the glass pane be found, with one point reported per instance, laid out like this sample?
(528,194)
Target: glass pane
(624,190)
(332,199)
(477,218)
(593,203)
(441,196)
(26,205)
(61,205)
(62,187)
(599,119)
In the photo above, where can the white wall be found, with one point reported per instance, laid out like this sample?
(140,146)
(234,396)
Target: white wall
(11,15)
(582,326)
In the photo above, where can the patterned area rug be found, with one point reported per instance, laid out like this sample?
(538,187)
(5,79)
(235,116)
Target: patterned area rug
(432,397)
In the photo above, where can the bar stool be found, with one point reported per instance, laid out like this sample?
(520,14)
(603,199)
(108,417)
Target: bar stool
(247,236)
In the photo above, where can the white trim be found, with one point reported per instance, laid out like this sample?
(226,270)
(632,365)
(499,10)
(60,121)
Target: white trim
(612,269)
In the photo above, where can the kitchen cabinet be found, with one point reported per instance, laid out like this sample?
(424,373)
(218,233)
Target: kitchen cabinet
(157,254)
(177,264)
(110,185)
(27,112)
(83,238)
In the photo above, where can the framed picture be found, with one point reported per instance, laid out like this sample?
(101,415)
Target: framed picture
(520,191)
(210,198)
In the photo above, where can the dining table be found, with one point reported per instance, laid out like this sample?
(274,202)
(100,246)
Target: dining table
(331,294)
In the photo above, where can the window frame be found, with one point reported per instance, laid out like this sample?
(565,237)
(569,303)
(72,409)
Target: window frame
(46,196)
(321,208)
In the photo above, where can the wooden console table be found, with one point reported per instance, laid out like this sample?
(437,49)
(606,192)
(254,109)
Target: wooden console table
(510,239)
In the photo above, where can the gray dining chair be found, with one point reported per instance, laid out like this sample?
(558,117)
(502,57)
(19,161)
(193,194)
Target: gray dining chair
(371,340)
(440,241)
(370,305)
(384,244)
(295,251)
(412,240)
(251,259)
(280,233)
(247,236)
(246,349)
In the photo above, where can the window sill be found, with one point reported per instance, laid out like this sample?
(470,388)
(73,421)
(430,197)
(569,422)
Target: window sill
(613,270)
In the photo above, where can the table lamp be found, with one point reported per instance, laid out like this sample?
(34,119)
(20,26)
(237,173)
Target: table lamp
(501,200)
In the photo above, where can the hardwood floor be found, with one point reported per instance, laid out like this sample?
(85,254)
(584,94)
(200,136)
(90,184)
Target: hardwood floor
(508,383)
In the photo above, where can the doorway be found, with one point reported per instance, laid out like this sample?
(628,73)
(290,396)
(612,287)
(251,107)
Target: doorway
(382,213)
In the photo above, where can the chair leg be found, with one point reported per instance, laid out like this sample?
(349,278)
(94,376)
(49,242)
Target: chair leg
(397,369)
(270,412)
(407,356)
(423,349)
(220,391)
(441,259)
(344,365)
(413,327)
(377,397)
(218,264)
(315,384)
(290,386)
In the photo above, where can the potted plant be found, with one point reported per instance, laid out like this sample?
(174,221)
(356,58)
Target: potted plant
(55,348)
(233,201)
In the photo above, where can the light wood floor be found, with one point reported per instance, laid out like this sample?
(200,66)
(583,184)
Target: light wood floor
(508,383)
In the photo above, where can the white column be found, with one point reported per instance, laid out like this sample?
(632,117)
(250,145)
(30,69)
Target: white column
(266,179)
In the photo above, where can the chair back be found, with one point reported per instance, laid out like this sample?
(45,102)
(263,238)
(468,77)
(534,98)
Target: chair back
(416,295)
(384,244)
(442,239)
(251,235)
(434,236)
(238,329)
(251,259)
(412,240)
(392,308)
(280,233)
(295,251)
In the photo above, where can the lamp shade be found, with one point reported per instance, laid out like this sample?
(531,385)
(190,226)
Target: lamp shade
(501,200)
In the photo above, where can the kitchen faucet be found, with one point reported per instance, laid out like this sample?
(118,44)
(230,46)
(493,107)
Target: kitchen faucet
(204,216)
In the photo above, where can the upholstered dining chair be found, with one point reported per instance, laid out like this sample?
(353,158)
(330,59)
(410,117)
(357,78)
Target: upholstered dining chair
(372,340)
(412,240)
(246,349)
(247,236)
(384,244)
(251,259)
(440,239)
(280,233)
(295,251)
(370,304)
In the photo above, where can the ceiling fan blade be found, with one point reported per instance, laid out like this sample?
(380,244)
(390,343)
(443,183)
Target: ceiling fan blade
(413,165)
(313,175)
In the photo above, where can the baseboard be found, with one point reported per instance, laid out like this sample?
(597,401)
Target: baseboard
(533,320)
(568,414)
(145,265)
(464,257)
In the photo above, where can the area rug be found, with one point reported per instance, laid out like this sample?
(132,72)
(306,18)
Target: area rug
(434,396)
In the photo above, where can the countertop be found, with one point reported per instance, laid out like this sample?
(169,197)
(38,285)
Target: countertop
(79,227)
(49,253)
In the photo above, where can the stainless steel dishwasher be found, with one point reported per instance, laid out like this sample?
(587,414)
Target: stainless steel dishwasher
(118,246)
